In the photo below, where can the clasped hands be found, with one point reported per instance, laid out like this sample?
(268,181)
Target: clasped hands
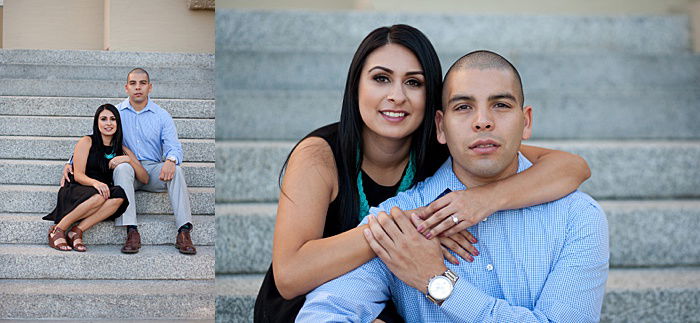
(407,245)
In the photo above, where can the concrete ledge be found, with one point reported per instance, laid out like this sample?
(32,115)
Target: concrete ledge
(201,4)
(248,171)
(61,148)
(158,75)
(42,199)
(102,89)
(39,172)
(632,295)
(642,234)
(86,107)
(80,126)
(29,228)
(540,72)
(315,31)
(105,262)
(557,114)
(108,299)
(105,58)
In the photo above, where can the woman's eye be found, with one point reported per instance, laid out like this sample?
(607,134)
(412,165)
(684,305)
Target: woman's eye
(381,79)
(414,83)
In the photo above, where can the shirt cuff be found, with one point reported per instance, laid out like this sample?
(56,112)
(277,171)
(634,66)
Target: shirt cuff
(466,303)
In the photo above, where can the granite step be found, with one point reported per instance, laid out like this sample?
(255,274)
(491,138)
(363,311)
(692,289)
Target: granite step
(61,148)
(247,171)
(48,172)
(642,234)
(34,172)
(105,58)
(86,107)
(571,72)
(80,126)
(631,295)
(557,115)
(42,199)
(342,31)
(104,262)
(109,299)
(155,229)
(86,71)
(103,89)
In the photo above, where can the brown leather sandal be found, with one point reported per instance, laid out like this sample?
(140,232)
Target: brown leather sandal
(57,239)
(75,239)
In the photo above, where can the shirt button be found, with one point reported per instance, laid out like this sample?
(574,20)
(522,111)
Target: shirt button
(489,267)
(484,220)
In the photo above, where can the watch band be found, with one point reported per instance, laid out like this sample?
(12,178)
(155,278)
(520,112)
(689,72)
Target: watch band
(450,275)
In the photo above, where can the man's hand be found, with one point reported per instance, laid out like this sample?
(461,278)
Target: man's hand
(168,171)
(118,160)
(468,207)
(410,256)
(68,169)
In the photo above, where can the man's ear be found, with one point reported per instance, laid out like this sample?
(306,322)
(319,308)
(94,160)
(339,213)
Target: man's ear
(126,87)
(150,87)
(527,116)
(439,125)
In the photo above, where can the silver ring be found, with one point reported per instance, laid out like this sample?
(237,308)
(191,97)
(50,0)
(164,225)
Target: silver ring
(455,219)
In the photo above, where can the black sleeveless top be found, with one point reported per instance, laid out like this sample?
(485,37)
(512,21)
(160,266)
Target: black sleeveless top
(97,166)
(270,306)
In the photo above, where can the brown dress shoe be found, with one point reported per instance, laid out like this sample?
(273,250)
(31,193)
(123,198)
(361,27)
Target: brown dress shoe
(133,242)
(184,243)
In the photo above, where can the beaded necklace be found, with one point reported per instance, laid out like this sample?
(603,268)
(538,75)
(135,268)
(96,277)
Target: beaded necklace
(406,182)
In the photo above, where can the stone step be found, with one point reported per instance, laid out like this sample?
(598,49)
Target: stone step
(247,171)
(39,172)
(61,148)
(109,299)
(86,107)
(43,71)
(80,126)
(642,234)
(583,73)
(631,295)
(103,89)
(342,31)
(42,199)
(556,114)
(29,228)
(105,58)
(105,262)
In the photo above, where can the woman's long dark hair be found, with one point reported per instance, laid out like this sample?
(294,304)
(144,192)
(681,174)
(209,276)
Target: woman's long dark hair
(424,146)
(96,136)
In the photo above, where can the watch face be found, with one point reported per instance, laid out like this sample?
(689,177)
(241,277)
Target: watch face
(440,287)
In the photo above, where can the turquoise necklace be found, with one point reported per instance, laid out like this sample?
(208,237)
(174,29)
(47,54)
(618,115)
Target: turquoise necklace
(406,182)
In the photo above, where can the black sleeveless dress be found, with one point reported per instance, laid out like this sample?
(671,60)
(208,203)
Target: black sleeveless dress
(270,306)
(72,194)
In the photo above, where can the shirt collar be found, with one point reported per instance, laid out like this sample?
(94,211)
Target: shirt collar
(126,104)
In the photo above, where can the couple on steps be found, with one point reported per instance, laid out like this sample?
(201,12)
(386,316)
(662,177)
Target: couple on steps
(109,165)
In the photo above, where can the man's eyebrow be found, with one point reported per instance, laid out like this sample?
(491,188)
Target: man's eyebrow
(501,96)
(460,97)
(390,71)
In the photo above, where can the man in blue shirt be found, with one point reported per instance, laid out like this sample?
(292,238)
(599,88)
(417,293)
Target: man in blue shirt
(548,262)
(149,131)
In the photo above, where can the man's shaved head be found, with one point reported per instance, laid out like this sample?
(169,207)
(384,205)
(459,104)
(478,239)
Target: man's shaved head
(484,59)
(139,71)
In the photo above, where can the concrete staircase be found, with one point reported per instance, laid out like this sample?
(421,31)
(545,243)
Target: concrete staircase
(47,101)
(619,91)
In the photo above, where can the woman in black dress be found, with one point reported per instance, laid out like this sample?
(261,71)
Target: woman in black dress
(90,195)
(385,142)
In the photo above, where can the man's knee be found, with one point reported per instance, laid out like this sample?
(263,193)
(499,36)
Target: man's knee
(123,170)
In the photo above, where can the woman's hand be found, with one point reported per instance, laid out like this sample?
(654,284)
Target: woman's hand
(102,188)
(461,243)
(118,160)
(455,212)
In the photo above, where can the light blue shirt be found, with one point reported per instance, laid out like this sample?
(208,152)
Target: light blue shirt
(150,133)
(548,262)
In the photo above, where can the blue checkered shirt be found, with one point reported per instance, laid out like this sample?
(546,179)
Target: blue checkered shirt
(548,262)
(150,133)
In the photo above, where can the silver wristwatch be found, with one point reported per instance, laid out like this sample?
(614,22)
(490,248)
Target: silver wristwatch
(172,159)
(440,287)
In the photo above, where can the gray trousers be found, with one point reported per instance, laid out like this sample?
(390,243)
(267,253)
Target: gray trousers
(177,190)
